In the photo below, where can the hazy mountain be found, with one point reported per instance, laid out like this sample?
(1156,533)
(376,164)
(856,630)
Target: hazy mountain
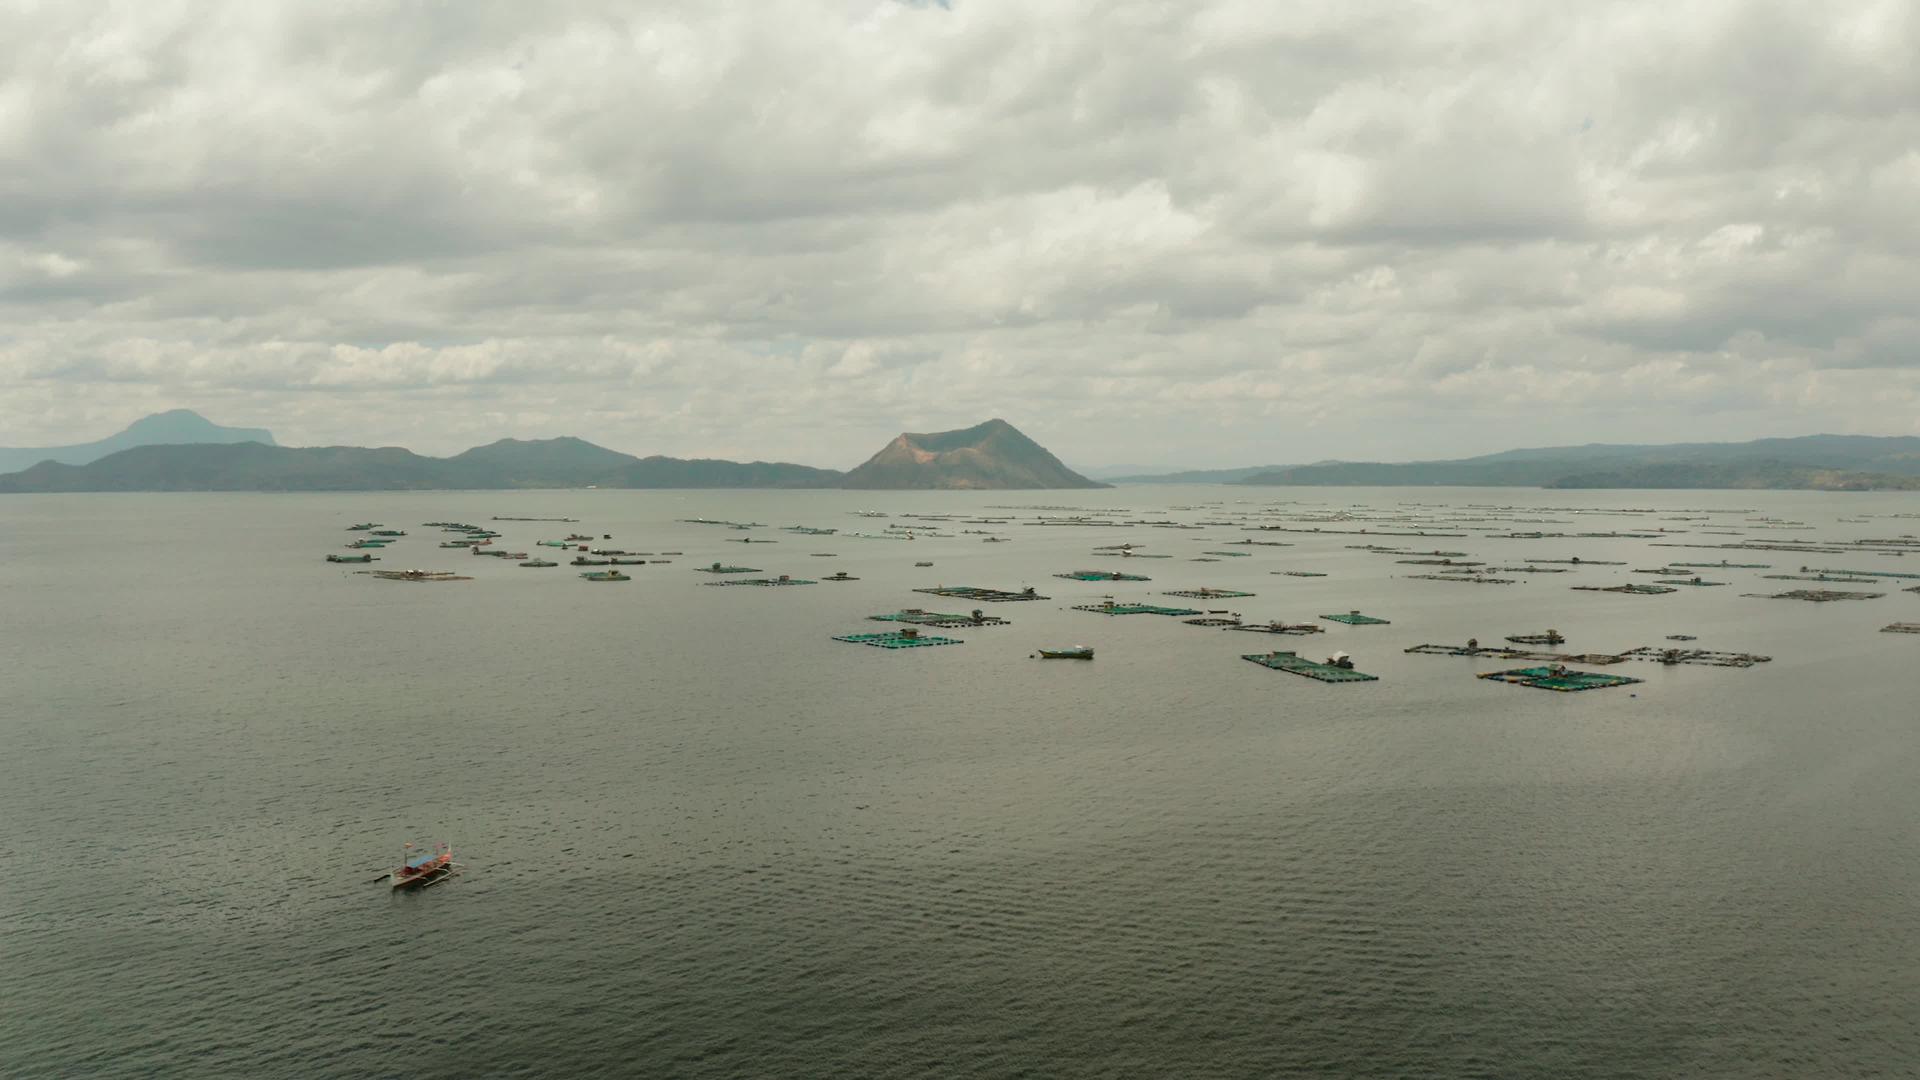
(1750,475)
(993,455)
(666,472)
(1836,462)
(509,463)
(1195,476)
(168,428)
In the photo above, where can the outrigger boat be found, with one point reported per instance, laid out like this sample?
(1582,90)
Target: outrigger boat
(419,869)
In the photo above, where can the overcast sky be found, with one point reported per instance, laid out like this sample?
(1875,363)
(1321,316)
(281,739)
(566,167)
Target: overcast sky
(1190,233)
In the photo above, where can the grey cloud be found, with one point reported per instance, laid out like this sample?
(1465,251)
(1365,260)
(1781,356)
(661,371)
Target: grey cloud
(1231,229)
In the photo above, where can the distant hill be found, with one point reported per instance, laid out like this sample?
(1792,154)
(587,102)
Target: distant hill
(175,427)
(989,456)
(1821,462)
(1196,476)
(508,463)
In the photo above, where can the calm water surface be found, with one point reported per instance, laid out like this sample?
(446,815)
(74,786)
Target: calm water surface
(705,840)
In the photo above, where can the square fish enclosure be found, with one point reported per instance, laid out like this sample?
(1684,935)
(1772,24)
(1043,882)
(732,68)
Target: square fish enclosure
(1559,678)
(1354,618)
(898,639)
(1297,665)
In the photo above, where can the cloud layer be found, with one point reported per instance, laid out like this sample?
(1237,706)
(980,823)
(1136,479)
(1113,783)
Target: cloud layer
(1199,233)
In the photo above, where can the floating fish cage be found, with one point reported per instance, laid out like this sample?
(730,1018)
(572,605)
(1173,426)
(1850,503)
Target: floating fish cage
(1501,653)
(939,619)
(1858,573)
(1578,562)
(1228,554)
(1558,678)
(1354,618)
(990,596)
(1634,590)
(1696,582)
(717,568)
(1280,628)
(414,575)
(1901,628)
(1838,579)
(1298,573)
(1471,579)
(1208,594)
(1551,637)
(1211,621)
(1530,570)
(1111,608)
(1695,656)
(1102,575)
(1817,596)
(1725,565)
(764,582)
(1436,562)
(897,639)
(1294,664)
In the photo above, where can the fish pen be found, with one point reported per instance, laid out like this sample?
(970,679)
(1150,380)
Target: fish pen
(414,575)
(1555,677)
(763,582)
(1208,594)
(1695,656)
(896,639)
(1725,565)
(1297,665)
(1577,561)
(1497,652)
(719,568)
(1901,628)
(1111,608)
(1816,596)
(990,596)
(1631,590)
(1354,618)
(1276,627)
(939,619)
(1101,575)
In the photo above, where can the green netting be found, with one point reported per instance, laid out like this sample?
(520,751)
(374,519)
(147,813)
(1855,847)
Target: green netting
(895,640)
(1354,618)
(1297,665)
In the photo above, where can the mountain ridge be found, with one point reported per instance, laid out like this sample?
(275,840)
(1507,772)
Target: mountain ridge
(1810,462)
(502,465)
(174,427)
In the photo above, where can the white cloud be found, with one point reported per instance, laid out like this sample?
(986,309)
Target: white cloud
(1218,232)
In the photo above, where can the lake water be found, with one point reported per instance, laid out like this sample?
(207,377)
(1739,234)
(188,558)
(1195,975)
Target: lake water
(702,839)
